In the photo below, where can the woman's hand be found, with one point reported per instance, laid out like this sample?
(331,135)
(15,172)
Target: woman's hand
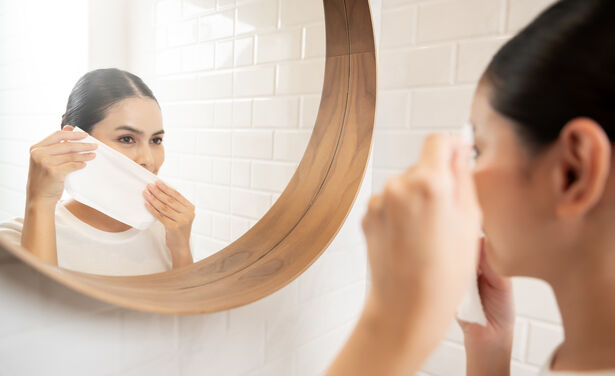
(51,160)
(176,213)
(422,235)
(489,348)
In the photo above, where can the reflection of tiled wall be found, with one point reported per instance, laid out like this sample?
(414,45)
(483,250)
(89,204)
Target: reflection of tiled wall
(239,83)
(47,329)
(431,56)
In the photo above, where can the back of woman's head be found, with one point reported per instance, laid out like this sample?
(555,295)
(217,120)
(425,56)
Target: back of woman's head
(97,91)
(560,67)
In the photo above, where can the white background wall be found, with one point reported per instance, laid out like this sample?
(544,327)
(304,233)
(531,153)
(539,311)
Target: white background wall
(431,55)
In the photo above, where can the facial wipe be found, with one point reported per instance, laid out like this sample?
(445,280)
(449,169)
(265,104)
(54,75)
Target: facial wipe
(471,309)
(112,184)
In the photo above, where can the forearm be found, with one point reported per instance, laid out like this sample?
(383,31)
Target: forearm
(383,345)
(181,258)
(39,234)
(487,360)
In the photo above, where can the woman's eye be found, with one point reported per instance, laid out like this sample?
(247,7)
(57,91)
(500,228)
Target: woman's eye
(475,152)
(157,140)
(126,139)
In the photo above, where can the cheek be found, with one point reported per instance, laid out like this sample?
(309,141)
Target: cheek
(159,157)
(500,194)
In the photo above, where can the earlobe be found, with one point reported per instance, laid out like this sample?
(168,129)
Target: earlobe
(585,163)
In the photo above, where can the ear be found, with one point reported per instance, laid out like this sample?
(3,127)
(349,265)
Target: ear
(582,168)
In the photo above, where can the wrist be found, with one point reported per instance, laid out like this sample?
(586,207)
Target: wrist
(488,358)
(40,204)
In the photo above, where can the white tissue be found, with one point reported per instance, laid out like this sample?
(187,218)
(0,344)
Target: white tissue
(471,309)
(112,184)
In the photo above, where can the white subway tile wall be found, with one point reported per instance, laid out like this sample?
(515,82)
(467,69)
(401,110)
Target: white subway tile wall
(432,54)
(232,76)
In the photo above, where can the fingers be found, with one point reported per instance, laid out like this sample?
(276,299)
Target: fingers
(156,213)
(173,193)
(56,160)
(155,192)
(156,203)
(58,136)
(64,148)
(438,151)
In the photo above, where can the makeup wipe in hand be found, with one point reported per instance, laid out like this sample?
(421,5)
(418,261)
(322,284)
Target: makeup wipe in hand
(112,184)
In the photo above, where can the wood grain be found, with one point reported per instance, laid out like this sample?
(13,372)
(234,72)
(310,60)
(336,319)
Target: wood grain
(302,222)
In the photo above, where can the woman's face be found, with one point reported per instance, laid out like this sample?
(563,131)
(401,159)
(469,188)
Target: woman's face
(512,187)
(133,126)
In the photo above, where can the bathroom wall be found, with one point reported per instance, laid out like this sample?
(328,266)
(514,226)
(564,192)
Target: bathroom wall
(46,328)
(432,53)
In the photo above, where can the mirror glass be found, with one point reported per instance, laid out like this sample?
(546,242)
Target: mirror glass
(238,85)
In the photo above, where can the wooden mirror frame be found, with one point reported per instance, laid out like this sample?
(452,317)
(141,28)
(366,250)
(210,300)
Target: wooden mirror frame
(303,221)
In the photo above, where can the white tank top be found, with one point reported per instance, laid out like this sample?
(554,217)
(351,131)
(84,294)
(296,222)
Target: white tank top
(84,248)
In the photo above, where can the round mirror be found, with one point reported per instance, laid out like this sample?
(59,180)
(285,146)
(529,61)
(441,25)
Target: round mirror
(266,133)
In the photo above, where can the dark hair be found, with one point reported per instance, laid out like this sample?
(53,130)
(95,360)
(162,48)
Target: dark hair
(98,90)
(560,67)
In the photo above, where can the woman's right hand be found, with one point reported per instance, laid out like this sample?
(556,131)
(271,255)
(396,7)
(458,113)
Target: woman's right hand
(51,160)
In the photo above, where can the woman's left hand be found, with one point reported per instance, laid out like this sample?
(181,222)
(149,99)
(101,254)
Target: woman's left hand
(176,213)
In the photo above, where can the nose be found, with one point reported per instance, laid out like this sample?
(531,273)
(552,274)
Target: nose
(144,157)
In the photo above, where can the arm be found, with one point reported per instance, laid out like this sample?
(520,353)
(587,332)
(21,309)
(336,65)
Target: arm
(422,240)
(489,348)
(176,214)
(50,161)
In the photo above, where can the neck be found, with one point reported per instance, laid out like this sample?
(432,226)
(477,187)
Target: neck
(95,218)
(586,298)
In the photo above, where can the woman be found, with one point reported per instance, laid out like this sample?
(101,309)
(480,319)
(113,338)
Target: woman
(118,109)
(544,115)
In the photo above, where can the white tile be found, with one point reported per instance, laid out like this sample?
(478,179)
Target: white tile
(301,78)
(168,61)
(240,173)
(202,224)
(474,56)
(454,19)
(145,337)
(221,171)
(244,51)
(215,26)
(276,112)
(310,104)
(214,143)
(315,357)
(441,108)
(278,46)
(258,81)
(271,176)
(253,144)
(195,168)
(518,369)
(192,8)
(416,67)
(188,115)
(242,113)
(397,150)
(315,41)
(542,341)
(535,299)
(393,109)
(257,16)
(239,226)
(223,114)
(296,12)
(398,27)
(224,54)
(250,204)
(215,85)
(214,198)
(221,227)
(447,359)
(181,33)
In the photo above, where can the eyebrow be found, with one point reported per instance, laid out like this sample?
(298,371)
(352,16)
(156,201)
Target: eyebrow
(131,129)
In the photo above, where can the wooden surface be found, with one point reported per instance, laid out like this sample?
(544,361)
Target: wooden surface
(303,221)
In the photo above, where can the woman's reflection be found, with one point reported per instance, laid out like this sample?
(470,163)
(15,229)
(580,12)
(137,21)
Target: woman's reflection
(120,110)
